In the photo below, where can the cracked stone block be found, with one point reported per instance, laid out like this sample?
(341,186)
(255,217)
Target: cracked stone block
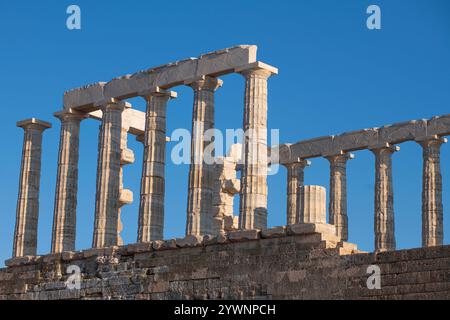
(189,241)
(169,244)
(18,261)
(243,235)
(274,232)
(127,156)
(139,247)
(308,228)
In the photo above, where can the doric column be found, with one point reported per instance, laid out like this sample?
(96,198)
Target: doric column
(64,215)
(337,208)
(253,195)
(27,212)
(432,210)
(295,179)
(199,207)
(312,204)
(108,175)
(151,208)
(384,198)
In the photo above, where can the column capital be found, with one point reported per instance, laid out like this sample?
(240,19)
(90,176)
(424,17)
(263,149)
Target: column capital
(257,68)
(34,123)
(341,156)
(157,92)
(300,163)
(384,147)
(206,83)
(430,140)
(112,103)
(70,114)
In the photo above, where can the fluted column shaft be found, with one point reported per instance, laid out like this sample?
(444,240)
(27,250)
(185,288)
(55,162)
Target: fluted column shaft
(337,208)
(64,215)
(295,179)
(151,208)
(253,195)
(27,212)
(432,209)
(200,193)
(108,176)
(384,199)
(312,205)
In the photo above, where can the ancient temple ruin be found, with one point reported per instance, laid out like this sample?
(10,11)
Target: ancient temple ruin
(212,188)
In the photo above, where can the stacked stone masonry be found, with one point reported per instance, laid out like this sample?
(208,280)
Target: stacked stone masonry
(225,186)
(297,255)
(299,262)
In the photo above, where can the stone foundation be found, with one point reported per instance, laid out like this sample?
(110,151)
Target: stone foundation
(303,261)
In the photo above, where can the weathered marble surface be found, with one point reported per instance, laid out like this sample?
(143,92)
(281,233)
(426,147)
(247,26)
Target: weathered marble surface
(226,186)
(27,212)
(65,210)
(364,139)
(312,204)
(214,64)
(253,195)
(201,169)
(337,208)
(432,208)
(295,180)
(151,205)
(133,120)
(384,225)
(108,183)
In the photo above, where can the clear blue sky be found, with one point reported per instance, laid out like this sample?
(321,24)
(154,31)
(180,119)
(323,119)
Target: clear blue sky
(335,76)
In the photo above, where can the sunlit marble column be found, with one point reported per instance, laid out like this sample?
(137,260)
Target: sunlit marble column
(108,175)
(27,212)
(312,207)
(295,179)
(151,208)
(253,195)
(384,198)
(432,209)
(64,215)
(337,209)
(200,192)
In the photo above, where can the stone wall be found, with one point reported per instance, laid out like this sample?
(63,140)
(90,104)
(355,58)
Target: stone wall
(298,262)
